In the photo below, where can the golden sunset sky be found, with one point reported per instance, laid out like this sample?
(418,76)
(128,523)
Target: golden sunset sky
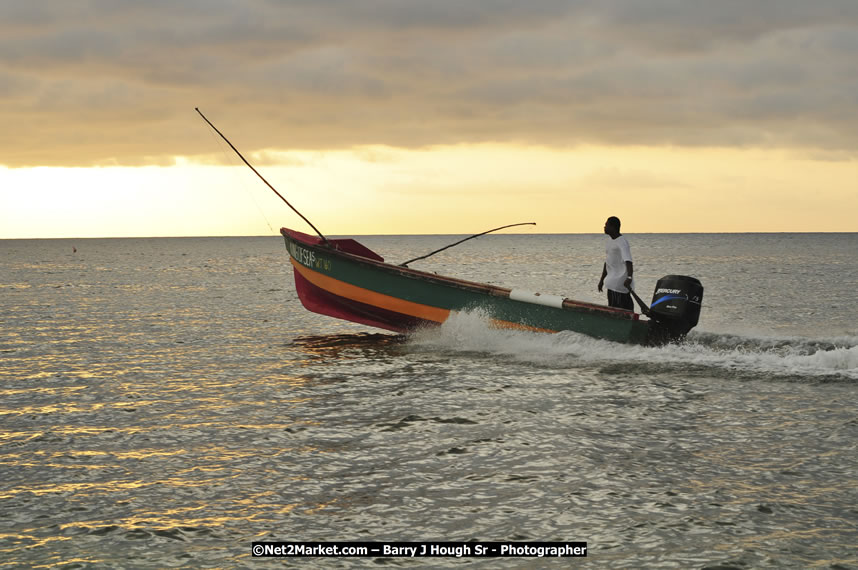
(427,116)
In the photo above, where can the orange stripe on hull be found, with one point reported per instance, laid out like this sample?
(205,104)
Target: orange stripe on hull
(518,326)
(361,295)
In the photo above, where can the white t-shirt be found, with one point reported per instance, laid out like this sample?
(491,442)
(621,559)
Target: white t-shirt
(617,253)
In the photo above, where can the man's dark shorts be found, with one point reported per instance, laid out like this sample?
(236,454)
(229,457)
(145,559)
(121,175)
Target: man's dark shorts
(620,300)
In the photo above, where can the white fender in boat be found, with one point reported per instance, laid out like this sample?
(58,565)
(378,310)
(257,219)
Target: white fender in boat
(536,298)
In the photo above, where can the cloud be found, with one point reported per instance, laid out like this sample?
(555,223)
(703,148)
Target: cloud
(115,82)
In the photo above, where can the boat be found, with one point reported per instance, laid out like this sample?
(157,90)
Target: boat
(344,279)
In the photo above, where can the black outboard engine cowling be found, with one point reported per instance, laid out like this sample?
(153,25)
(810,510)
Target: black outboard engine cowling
(675,307)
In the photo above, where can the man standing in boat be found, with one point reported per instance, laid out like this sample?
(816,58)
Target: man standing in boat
(618,270)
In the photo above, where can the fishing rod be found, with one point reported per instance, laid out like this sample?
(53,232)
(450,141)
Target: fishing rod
(464,240)
(324,239)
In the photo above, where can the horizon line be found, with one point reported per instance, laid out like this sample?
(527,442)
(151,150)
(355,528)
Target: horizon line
(339,236)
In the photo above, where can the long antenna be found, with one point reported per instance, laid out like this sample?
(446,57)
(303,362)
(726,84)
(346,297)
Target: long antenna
(464,240)
(197,109)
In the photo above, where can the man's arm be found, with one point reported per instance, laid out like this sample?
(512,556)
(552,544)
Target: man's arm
(604,274)
(630,270)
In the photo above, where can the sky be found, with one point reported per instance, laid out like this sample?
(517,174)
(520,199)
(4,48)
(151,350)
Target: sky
(427,116)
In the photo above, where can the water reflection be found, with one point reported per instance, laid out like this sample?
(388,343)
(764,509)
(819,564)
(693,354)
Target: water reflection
(347,345)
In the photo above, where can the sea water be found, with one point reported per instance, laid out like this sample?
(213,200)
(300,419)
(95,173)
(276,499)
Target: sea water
(167,402)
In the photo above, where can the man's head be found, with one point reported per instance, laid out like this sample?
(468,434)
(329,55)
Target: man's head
(612,226)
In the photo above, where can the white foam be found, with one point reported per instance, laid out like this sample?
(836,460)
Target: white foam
(803,357)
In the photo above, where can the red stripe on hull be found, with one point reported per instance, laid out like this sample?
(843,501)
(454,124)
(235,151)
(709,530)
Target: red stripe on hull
(323,302)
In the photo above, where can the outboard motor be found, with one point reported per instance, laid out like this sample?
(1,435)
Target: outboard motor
(675,308)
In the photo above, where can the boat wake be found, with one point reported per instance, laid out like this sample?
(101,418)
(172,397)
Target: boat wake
(703,354)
